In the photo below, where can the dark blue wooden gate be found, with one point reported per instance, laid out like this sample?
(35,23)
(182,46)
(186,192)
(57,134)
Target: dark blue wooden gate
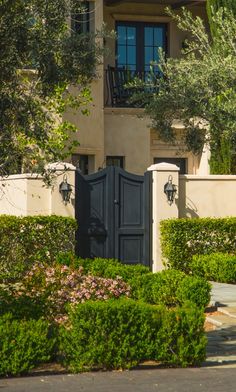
(113,214)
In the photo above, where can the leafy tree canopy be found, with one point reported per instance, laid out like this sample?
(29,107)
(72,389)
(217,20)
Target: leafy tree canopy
(199,89)
(40,57)
(213,6)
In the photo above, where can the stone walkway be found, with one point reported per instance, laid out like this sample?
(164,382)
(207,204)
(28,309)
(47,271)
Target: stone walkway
(221,349)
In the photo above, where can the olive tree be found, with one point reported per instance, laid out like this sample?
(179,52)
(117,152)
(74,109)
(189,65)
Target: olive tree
(198,89)
(41,56)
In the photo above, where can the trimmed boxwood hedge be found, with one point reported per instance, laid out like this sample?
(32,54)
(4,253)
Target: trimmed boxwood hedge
(26,239)
(181,239)
(23,344)
(218,267)
(171,288)
(122,333)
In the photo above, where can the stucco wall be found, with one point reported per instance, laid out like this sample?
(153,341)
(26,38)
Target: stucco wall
(127,135)
(91,128)
(26,194)
(101,134)
(207,196)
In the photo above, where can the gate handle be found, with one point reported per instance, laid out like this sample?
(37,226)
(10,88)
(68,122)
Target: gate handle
(116,201)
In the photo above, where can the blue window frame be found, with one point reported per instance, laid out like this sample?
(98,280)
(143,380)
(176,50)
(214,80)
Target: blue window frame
(137,44)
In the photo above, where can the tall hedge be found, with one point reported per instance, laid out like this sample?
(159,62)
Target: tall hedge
(26,239)
(218,267)
(183,238)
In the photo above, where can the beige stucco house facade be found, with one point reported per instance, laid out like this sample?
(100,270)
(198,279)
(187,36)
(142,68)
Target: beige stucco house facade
(115,133)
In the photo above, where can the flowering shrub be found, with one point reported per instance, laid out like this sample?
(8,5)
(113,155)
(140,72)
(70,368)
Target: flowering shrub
(58,286)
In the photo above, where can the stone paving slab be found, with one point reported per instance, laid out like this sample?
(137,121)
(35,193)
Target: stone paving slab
(228,310)
(223,294)
(222,320)
(221,348)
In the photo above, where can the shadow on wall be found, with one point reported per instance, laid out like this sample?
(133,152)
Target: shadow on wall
(187,208)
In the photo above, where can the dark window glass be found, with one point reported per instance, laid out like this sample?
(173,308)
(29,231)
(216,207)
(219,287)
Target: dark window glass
(138,43)
(115,161)
(180,162)
(80,162)
(81,20)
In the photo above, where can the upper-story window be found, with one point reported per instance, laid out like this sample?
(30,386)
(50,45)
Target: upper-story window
(82,21)
(137,44)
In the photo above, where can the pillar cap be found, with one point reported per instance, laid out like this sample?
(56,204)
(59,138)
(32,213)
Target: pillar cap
(60,166)
(163,166)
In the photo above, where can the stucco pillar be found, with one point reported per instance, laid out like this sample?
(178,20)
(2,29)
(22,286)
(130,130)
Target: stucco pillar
(57,205)
(161,209)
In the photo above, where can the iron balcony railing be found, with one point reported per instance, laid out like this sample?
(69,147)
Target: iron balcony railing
(122,89)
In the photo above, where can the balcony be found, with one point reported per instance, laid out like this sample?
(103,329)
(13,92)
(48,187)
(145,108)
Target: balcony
(175,4)
(120,90)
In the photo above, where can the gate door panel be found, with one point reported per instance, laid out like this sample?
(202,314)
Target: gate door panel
(94,214)
(129,217)
(113,211)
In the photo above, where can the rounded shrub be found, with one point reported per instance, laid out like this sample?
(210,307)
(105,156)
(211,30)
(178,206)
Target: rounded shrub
(160,287)
(171,288)
(194,289)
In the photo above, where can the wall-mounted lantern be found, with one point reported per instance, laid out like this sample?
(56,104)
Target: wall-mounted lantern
(170,190)
(65,190)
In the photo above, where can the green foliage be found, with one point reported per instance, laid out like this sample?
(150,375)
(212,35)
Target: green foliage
(172,288)
(24,240)
(106,268)
(99,266)
(183,338)
(198,89)
(195,290)
(23,344)
(181,239)
(41,56)
(213,6)
(160,288)
(223,163)
(111,268)
(218,267)
(120,334)
(163,287)
(22,306)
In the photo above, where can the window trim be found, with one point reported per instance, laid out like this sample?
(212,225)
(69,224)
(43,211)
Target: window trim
(140,25)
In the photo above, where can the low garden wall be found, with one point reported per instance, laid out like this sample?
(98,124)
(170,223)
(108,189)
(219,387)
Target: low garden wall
(27,194)
(206,196)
